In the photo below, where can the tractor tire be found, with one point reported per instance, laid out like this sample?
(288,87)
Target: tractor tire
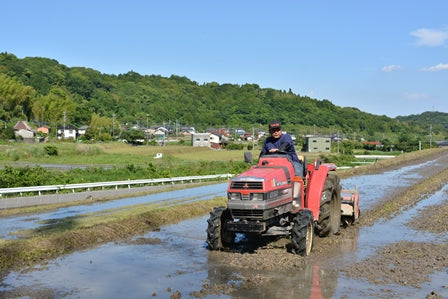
(329,221)
(302,233)
(218,237)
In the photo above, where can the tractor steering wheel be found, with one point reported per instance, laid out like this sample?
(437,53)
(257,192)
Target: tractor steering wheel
(283,148)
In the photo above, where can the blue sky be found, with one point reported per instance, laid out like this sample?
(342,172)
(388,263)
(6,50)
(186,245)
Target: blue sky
(383,57)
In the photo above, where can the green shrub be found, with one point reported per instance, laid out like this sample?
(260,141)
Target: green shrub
(339,160)
(235,146)
(51,150)
(25,176)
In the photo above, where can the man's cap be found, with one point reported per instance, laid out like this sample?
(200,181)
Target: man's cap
(275,125)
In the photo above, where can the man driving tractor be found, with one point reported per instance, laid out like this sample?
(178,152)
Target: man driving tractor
(281,143)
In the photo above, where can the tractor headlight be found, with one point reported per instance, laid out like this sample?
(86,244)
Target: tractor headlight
(257,196)
(273,194)
(234,196)
(277,193)
(284,191)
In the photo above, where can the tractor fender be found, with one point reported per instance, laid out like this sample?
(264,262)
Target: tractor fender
(315,187)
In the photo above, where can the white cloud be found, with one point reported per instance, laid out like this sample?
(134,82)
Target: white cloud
(415,96)
(430,37)
(390,68)
(435,68)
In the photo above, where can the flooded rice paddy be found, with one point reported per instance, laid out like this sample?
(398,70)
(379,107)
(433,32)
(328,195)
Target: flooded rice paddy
(174,262)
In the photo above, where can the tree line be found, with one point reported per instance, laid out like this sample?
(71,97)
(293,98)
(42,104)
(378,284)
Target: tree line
(41,90)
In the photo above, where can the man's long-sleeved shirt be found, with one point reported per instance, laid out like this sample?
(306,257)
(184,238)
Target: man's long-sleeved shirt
(271,143)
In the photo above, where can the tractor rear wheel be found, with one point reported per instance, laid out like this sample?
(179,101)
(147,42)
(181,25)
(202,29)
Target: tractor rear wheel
(218,237)
(302,233)
(330,207)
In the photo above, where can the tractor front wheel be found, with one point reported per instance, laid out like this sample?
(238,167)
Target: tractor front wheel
(218,237)
(302,233)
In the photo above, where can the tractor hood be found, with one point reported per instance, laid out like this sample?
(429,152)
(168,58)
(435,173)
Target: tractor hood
(262,178)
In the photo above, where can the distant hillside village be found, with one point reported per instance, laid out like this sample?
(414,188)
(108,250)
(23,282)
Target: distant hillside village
(213,138)
(25,132)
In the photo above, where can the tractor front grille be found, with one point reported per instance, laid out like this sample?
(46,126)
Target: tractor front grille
(247,214)
(252,185)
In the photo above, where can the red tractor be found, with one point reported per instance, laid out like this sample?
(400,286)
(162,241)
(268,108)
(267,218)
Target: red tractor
(270,200)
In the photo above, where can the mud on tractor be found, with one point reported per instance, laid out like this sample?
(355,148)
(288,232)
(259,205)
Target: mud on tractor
(270,200)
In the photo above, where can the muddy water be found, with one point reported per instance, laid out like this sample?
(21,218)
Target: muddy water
(10,225)
(174,262)
(375,187)
(158,263)
(371,240)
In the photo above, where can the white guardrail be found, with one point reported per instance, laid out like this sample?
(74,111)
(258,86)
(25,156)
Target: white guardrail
(116,184)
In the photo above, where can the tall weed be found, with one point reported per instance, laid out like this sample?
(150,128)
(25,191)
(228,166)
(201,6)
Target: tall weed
(87,149)
(23,153)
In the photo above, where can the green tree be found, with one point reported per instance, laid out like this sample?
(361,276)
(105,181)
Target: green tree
(133,136)
(16,99)
(100,128)
(51,108)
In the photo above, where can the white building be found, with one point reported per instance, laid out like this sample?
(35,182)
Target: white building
(200,139)
(67,132)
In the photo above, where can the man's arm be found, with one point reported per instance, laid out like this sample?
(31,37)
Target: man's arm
(263,150)
(291,151)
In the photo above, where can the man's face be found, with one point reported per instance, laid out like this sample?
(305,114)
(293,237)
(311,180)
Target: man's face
(276,133)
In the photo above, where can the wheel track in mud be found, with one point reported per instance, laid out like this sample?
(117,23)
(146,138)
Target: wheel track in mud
(409,198)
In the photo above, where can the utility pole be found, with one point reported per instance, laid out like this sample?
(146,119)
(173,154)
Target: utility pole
(147,137)
(430,136)
(253,138)
(113,126)
(338,141)
(65,118)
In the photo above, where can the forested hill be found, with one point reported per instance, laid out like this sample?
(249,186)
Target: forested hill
(427,118)
(41,89)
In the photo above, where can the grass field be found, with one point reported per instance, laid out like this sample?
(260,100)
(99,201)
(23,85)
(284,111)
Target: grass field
(117,154)
(109,153)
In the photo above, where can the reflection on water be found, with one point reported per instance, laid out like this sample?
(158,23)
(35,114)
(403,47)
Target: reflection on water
(126,270)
